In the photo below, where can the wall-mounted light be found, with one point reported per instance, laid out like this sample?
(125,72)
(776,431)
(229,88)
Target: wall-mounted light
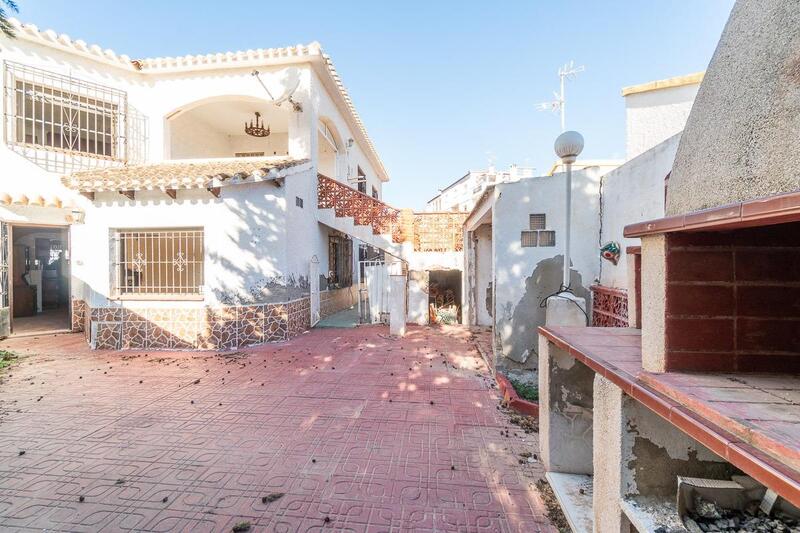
(78,216)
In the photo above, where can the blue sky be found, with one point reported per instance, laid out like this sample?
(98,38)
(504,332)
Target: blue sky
(439,84)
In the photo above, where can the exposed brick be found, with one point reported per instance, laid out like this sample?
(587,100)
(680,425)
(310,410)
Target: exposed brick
(700,266)
(704,300)
(768,301)
(700,334)
(773,363)
(768,335)
(767,265)
(701,361)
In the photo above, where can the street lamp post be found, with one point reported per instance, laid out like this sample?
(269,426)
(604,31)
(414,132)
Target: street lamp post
(568,147)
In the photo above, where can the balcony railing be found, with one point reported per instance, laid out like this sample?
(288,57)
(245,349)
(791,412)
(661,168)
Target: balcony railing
(365,210)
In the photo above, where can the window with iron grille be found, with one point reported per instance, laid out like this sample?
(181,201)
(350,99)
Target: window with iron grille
(158,262)
(538,221)
(63,123)
(547,238)
(298,202)
(530,239)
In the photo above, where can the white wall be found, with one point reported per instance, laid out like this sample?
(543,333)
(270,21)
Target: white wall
(633,193)
(244,232)
(523,277)
(652,117)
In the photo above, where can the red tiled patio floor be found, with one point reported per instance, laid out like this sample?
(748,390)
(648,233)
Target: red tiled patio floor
(374,433)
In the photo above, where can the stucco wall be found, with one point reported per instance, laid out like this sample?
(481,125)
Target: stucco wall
(652,117)
(245,241)
(742,138)
(523,277)
(632,193)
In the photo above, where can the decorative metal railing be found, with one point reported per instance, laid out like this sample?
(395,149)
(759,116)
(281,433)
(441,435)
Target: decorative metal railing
(365,210)
(609,307)
(430,232)
(64,124)
(439,232)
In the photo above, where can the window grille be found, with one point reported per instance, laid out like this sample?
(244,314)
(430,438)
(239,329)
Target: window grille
(298,202)
(538,221)
(66,124)
(248,154)
(530,239)
(158,262)
(547,238)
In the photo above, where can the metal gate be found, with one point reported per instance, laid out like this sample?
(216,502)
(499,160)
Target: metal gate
(313,279)
(5,311)
(373,301)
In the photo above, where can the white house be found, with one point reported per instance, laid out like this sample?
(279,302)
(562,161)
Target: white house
(462,194)
(657,110)
(173,202)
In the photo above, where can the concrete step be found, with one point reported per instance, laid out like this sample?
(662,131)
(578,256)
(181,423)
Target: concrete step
(363,233)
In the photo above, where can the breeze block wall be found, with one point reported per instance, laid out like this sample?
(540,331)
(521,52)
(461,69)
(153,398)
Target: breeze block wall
(733,300)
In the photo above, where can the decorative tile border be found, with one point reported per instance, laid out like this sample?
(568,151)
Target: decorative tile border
(181,328)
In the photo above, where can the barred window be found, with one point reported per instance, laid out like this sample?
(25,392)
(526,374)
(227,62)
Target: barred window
(79,123)
(538,221)
(547,238)
(160,262)
(530,239)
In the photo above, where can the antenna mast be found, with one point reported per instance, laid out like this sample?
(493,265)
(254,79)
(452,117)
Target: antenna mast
(567,72)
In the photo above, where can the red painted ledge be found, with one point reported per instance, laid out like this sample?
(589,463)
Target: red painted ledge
(523,407)
(776,209)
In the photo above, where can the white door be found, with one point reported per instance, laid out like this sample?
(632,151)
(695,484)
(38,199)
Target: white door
(376,275)
(313,279)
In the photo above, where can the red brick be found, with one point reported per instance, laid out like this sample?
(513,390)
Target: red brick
(772,363)
(700,361)
(700,266)
(703,300)
(767,335)
(767,264)
(767,301)
(700,334)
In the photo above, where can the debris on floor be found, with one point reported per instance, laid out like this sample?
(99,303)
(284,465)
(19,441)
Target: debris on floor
(554,512)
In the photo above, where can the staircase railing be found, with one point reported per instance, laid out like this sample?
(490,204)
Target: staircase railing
(430,232)
(365,210)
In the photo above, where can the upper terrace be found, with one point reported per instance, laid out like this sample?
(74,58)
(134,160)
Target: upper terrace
(76,106)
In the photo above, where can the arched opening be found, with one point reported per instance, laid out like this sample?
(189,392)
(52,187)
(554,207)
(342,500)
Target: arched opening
(216,129)
(331,152)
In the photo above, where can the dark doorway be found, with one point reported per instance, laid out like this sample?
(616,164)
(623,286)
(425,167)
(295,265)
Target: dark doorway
(39,279)
(444,296)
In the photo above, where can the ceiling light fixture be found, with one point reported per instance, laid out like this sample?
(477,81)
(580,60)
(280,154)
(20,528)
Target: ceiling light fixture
(257,129)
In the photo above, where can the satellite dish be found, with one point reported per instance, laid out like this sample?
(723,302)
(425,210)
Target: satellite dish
(287,95)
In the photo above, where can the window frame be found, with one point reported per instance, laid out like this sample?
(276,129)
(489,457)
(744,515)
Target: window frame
(117,265)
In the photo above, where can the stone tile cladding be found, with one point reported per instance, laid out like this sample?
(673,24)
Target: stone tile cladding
(78,315)
(205,328)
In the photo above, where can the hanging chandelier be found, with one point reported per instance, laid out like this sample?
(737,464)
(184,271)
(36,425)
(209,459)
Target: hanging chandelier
(257,129)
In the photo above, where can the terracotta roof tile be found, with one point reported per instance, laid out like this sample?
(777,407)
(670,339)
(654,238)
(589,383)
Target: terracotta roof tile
(186,174)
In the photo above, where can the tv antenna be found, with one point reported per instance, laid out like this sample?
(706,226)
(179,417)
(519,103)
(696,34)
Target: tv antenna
(559,103)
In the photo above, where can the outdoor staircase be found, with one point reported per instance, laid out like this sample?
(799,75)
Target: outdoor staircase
(359,215)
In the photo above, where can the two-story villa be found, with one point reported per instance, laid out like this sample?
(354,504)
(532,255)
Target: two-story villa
(173,202)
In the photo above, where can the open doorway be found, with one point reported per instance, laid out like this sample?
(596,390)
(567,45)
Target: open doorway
(444,296)
(39,279)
